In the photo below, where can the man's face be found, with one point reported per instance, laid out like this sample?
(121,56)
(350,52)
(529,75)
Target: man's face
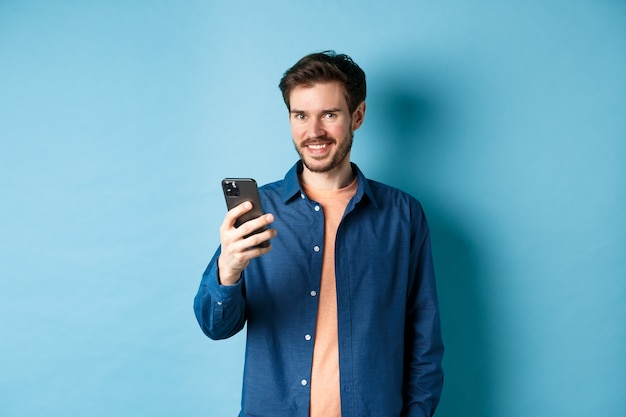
(322,126)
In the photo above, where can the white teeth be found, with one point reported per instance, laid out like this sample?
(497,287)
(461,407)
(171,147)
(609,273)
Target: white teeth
(317,146)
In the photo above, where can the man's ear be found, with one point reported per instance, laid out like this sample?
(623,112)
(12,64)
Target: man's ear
(358,116)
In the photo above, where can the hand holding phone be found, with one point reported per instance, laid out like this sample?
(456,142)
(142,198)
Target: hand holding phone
(239,190)
(236,250)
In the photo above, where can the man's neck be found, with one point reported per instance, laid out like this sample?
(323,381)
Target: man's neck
(336,178)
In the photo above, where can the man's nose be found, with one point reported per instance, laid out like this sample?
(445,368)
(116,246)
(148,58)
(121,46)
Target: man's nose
(315,129)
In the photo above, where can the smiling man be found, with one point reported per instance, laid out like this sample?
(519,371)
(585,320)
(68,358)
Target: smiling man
(322,127)
(341,309)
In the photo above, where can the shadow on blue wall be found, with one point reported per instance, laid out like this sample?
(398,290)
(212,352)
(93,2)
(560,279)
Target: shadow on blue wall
(414,122)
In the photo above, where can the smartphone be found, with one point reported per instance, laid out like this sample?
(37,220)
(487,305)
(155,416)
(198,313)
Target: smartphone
(238,190)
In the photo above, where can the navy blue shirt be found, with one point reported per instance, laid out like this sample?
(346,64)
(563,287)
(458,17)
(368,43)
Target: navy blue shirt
(390,346)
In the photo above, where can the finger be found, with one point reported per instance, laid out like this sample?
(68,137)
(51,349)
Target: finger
(237,241)
(255,224)
(233,214)
(239,254)
(256,250)
(258,238)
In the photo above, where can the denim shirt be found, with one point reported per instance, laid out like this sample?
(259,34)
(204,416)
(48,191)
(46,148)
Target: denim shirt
(390,346)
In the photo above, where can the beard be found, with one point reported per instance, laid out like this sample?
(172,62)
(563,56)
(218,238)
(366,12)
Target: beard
(326,163)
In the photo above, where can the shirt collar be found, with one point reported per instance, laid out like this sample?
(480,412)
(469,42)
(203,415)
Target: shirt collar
(291,185)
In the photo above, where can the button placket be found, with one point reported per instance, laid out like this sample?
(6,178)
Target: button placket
(313,293)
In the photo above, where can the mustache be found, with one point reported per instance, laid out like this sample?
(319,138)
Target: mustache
(318,141)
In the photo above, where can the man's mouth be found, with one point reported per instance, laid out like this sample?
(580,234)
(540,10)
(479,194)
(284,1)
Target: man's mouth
(317,149)
(317,146)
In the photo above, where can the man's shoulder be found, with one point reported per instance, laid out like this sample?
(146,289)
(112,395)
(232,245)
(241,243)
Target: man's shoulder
(273,192)
(384,193)
(276,185)
(394,203)
(282,187)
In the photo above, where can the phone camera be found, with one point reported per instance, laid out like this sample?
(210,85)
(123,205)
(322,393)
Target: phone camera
(231,188)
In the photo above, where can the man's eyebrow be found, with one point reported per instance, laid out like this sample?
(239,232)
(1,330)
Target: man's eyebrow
(331,110)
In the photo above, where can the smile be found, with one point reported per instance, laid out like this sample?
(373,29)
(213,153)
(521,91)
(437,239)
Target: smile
(318,146)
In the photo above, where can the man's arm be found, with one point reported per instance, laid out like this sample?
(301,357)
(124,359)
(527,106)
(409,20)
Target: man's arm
(220,309)
(220,304)
(423,375)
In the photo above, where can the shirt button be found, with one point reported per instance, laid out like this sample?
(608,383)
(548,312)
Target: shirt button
(304,382)
(313,293)
(317,208)
(302,196)
(316,248)
(307,337)
(219,303)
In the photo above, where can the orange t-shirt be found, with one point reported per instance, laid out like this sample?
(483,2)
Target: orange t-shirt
(325,389)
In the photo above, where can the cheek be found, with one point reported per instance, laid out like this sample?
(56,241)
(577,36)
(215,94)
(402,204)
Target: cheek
(339,132)
(297,131)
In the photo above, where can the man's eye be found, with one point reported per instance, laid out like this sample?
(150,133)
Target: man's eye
(329,115)
(299,116)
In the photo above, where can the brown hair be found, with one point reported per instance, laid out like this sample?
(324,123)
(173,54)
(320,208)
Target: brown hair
(325,67)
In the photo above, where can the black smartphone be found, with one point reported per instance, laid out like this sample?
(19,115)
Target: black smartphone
(238,190)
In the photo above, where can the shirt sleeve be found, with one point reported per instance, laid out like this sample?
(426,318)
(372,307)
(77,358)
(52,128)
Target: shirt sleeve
(423,343)
(220,309)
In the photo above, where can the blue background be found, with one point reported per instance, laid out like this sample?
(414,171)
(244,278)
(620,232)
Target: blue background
(119,119)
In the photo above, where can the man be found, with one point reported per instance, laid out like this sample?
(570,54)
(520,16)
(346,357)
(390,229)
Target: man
(341,309)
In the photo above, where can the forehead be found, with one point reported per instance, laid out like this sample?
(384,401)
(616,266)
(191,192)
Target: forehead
(318,96)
